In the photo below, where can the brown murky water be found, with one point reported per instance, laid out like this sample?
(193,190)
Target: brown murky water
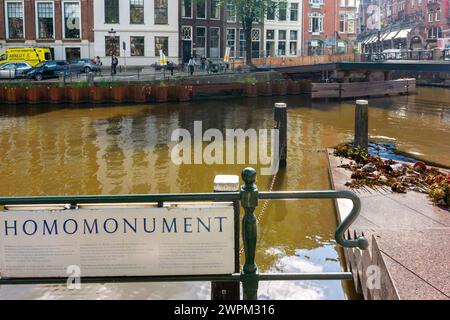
(126,149)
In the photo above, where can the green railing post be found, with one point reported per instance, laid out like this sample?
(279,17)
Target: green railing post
(249,202)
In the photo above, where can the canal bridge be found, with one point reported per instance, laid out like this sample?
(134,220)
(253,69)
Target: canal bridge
(365,67)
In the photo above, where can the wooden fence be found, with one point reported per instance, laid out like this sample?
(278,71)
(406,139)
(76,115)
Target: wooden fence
(303,60)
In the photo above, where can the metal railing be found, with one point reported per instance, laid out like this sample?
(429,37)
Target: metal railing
(248,197)
(415,55)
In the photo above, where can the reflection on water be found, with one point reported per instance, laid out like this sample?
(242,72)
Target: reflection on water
(126,149)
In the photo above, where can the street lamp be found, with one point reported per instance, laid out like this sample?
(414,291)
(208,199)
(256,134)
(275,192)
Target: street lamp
(112,37)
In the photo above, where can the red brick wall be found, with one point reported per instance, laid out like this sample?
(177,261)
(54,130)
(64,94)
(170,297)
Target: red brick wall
(87,23)
(331,11)
(30,20)
(2,20)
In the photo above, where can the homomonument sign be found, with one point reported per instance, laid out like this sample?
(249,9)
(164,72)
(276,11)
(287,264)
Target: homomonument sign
(109,242)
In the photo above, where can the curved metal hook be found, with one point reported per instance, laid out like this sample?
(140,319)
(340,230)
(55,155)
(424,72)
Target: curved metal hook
(361,242)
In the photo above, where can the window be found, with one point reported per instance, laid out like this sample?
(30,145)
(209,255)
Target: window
(201,9)
(161,43)
(293,36)
(434,33)
(214,43)
(201,41)
(137,46)
(215,9)
(186,8)
(271,12)
(242,43)
(315,22)
(72,20)
(294,12)
(45,20)
(281,42)
(112,46)
(342,22)
(73,54)
(111,11)
(137,11)
(161,12)
(231,15)
(14,12)
(270,34)
(282,6)
(231,41)
(438,14)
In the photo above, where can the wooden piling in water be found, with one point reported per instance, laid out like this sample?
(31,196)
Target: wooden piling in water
(281,125)
(229,290)
(362,124)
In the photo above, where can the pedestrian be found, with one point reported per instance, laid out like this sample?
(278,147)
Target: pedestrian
(170,66)
(203,63)
(191,65)
(99,65)
(114,63)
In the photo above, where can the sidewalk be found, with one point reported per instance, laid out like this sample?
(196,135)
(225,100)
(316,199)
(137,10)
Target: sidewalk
(408,236)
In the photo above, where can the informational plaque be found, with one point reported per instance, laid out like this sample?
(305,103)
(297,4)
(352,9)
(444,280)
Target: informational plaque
(117,242)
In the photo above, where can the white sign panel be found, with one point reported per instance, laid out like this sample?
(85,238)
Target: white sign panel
(117,242)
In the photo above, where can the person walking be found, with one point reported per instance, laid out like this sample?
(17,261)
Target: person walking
(99,65)
(114,63)
(203,63)
(191,65)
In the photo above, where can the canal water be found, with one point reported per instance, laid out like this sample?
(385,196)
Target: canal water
(126,149)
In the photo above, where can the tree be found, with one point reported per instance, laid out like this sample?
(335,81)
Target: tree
(248,12)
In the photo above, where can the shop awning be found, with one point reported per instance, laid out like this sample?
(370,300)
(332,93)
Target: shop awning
(391,35)
(403,34)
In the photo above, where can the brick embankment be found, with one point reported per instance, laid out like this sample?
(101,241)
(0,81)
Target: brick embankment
(408,238)
(176,89)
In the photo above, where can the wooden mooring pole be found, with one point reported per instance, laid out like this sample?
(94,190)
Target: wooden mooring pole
(281,125)
(362,124)
(229,290)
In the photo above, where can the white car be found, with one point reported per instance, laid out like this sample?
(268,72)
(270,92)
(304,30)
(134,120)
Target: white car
(14,70)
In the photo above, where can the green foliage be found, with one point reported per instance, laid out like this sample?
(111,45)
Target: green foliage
(347,151)
(249,80)
(78,84)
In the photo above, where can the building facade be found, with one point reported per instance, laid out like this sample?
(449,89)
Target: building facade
(283,29)
(412,24)
(235,36)
(141,29)
(329,26)
(201,29)
(64,26)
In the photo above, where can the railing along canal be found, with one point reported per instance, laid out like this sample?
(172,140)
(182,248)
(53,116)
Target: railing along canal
(248,198)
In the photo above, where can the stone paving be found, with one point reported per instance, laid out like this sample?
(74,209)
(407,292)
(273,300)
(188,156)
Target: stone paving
(409,241)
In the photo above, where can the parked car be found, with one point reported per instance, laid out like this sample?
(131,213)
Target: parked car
(84,65)
(48,69)
(14,70)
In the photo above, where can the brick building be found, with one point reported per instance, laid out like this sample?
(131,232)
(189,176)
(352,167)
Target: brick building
(412,24)
(65,26)
(329,26)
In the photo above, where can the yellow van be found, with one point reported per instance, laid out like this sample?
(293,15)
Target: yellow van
(32,56)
